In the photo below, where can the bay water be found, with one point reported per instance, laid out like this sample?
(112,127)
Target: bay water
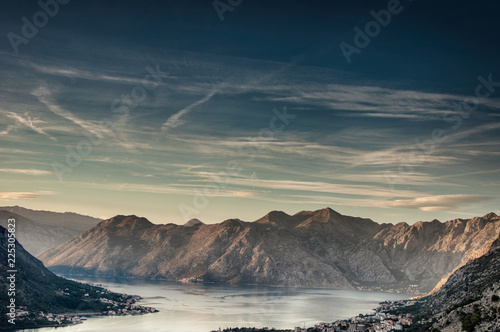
(197,307)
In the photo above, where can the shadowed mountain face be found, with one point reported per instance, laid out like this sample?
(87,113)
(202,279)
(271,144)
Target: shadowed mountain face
(41,230)
(309,249)
(38,289)
(33,280)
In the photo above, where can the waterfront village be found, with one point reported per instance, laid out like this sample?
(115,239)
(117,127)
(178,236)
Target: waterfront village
(380,321)
(113,308)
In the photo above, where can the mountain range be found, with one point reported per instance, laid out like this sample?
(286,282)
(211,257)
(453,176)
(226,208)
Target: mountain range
(309,249)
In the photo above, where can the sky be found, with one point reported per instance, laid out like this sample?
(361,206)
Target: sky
(173,110)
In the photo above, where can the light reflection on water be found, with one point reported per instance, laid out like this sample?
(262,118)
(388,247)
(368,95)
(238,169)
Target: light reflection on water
(202,307)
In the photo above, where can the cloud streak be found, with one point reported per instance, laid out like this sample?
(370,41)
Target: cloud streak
(212,190)
(24,195)
(44,95)
(35,172)
(176,119)
(374,101)
(84,74)
(435,203)
(313,186)
(26,121)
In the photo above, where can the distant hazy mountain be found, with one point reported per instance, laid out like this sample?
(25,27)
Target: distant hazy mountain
(310,249)
(41,230)
(193,222)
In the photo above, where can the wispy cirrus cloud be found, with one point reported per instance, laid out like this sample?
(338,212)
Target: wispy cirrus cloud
(26,121)
(460,135)
(324,200)
(415,178)
(176,119)
(374,101)
(44,95)
(435,203)
(19,151)
(84,74)
(292,186)
(214,190)
(335,152)
(12,195)
(24,171)
(7,130)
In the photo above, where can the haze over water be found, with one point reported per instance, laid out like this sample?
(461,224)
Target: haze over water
(202,308)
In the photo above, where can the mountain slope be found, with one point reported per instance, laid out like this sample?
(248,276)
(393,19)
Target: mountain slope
(41,230)
(309,249)
(470,299)
(38,289)
(427,251)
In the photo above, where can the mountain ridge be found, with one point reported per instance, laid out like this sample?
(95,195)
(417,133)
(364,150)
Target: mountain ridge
(320,248)
(49,218)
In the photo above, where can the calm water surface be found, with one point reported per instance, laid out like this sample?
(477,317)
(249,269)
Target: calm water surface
(202,308)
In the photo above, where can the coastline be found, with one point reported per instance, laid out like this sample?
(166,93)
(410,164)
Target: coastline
(126,307)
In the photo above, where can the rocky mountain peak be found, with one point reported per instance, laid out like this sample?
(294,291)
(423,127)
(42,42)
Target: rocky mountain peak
(322,216)
(277,215)
(426,228)
(490,216)
(278,218)
(131,222)
(273,217)
(326,214)
(233,223)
